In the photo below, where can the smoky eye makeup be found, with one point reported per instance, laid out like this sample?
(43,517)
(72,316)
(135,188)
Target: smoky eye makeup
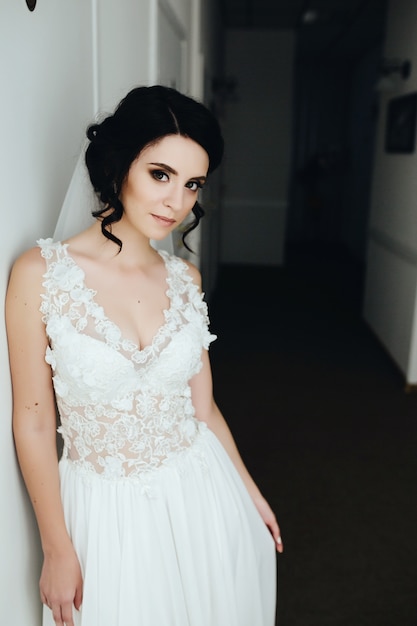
(159,175)
(195,185)
(162,174)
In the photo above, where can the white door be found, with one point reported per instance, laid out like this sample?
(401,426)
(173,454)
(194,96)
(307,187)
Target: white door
(172,72)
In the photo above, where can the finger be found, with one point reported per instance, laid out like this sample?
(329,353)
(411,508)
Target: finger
(278,538)
(57,615)
(67,616)
(78,598)
(276,534)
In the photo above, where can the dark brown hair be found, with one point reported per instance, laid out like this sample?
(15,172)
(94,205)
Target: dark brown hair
(144,116)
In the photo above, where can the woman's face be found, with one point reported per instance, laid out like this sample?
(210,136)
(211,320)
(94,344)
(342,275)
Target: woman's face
(162,185)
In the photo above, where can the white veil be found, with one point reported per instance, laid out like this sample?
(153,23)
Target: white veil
(79,202)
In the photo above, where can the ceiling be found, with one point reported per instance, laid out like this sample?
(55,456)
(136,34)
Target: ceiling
(344,28)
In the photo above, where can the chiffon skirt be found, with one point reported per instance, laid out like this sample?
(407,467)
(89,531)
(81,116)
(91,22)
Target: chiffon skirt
(188,549)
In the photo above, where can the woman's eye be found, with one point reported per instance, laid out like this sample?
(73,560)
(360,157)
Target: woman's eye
(194,185)
(160,175)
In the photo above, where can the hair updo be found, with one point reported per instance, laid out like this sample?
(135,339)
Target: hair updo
(145,115)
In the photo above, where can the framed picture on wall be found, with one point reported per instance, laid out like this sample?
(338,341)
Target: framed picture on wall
(400,134)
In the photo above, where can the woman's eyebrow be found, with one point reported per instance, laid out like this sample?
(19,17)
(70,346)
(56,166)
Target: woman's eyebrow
(202,179)
(171,170)
(166,167)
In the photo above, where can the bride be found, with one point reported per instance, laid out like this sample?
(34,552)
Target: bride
(150,515)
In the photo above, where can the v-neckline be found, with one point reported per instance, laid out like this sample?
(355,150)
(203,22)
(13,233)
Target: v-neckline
(103,317)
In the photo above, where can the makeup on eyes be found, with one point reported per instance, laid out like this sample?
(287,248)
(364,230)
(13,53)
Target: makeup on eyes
(167,169)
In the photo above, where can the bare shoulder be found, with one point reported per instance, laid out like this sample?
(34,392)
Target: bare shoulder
(194,272)
(27,272)
(30,260)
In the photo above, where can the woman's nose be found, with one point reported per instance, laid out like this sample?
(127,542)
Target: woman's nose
(175,197)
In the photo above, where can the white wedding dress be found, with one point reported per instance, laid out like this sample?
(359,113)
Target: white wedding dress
(163,526)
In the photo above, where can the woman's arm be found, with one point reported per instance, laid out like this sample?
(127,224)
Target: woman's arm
(207,411)
(34,428)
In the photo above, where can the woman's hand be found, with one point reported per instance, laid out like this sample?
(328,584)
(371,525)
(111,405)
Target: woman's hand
(61,586)
(269,518)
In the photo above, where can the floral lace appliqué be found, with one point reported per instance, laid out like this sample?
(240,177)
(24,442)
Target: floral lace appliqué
(124,411)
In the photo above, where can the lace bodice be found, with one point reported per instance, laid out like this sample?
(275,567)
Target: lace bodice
(124,411)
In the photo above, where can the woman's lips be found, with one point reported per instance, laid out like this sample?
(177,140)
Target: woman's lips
(163,221)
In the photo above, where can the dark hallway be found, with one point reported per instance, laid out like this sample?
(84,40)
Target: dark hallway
(324,424)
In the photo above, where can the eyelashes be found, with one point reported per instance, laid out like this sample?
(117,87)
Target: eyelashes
(163,177)
(194,185)
(160,175)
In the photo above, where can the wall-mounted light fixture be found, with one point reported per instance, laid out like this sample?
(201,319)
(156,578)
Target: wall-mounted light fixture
(310,16)
(31,4)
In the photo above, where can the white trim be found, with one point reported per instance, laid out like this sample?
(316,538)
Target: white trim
(184,84)
(196,81)
(411,373)
(393,245)
(95,64)
(172,18)
(153,43)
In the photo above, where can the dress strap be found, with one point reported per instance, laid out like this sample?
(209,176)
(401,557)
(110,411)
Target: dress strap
(53,252)
(182,285)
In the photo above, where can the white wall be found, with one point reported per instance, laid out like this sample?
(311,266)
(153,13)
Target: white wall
(391,280)
(258,126)
(60,65)
(46,71)
(124,35)
(130,50)
(211,67)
